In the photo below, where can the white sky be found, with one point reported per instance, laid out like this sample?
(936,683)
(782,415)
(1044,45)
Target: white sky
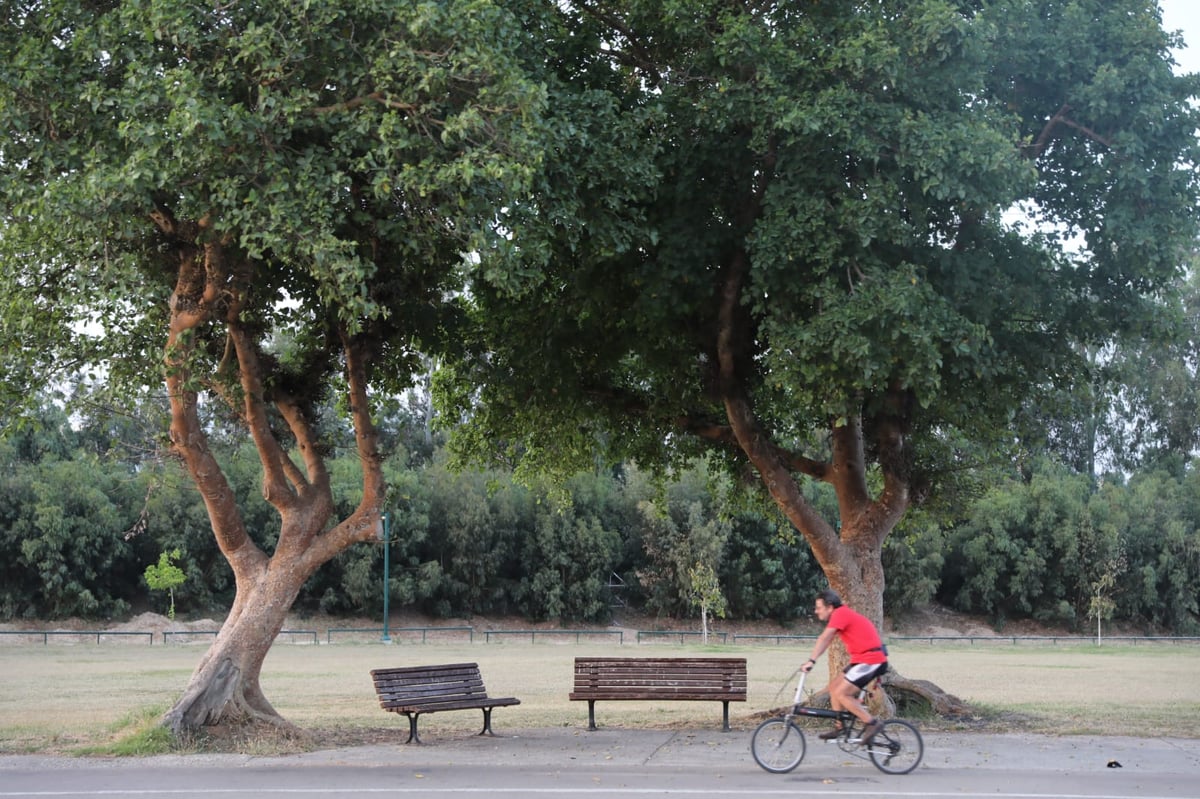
(1184,16)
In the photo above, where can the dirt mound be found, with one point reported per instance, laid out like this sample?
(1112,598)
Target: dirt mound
(156,623)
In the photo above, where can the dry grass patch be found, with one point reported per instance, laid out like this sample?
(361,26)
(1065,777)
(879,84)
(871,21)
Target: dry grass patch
(61,697)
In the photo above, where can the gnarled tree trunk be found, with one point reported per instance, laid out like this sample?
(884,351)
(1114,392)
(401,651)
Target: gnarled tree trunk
(225,685)
(209,285)
(851,555)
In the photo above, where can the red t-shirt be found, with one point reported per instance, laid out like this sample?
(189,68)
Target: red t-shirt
(858,634)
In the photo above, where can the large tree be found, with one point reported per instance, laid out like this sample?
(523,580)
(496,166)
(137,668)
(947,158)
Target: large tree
(266,206)
(831,239)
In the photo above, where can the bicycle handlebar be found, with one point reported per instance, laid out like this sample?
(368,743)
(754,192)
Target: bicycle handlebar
(800,688)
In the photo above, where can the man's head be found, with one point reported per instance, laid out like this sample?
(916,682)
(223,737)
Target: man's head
(827,602)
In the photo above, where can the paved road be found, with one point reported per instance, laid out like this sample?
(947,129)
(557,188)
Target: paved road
(567,762)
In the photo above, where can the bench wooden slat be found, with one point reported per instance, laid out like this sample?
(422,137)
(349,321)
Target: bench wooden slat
(698,679)
(450,704)
(430,690)
(413,690)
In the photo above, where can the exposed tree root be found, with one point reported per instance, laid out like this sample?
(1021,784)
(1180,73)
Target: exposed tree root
(225,702)
(902,696)
(906,693)
(205,702)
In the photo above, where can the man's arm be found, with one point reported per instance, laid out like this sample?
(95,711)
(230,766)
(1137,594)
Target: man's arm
(823,642)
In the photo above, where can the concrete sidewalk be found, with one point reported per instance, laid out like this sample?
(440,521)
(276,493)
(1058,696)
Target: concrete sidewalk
(716,750)
(710,751)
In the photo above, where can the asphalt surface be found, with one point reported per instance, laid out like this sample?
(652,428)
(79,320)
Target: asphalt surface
(621,763)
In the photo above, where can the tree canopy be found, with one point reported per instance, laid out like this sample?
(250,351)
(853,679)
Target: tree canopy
(266,209)
(832,240)
(343,155)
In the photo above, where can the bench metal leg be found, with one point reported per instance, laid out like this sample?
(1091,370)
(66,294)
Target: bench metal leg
(726,705)
(487,722)
(591,715)
(413,738)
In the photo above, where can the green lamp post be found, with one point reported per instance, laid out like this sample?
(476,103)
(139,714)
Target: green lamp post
(387,558)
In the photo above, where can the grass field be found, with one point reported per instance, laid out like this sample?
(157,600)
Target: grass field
(62,696)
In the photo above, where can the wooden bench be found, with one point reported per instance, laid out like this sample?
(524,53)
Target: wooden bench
(414,690)
(701,679)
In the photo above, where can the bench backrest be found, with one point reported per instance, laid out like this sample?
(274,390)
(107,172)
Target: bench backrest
(716,678)
(402,687)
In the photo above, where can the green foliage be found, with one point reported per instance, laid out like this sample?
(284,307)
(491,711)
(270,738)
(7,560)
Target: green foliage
(608,168)
(301,132)
(1047,548)
(685,524)
(166,576)
(704,594)
(1156,404)
(66,540)
(1019,550)
(862,159)
(913,560)
(1040,548)
(265,198)
(924,217)
(1158,517)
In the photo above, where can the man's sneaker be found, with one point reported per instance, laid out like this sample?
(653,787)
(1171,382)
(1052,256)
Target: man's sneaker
(871,730)
(830,735)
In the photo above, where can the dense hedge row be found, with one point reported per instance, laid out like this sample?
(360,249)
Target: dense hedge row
(78,527)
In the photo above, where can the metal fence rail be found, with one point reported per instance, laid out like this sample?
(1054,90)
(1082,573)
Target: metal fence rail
(682,634)
(1047,639)
(533,634)
(97,634)
(424,631)
(774,637)
(168,634)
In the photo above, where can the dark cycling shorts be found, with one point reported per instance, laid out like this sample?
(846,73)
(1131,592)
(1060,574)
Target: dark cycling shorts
(861,674)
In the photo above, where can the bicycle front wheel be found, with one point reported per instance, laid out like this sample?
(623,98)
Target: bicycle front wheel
(777,745)
(897,748)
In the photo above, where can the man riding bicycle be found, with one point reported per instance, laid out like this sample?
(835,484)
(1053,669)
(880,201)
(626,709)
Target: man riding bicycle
(868,660)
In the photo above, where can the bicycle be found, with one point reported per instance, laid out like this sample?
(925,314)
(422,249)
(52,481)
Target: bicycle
(778,744)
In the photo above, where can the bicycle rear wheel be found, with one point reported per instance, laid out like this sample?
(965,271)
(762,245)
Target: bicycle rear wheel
(777,745)
(897,748)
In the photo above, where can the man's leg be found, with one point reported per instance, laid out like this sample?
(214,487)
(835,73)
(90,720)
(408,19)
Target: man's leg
(835,702)
(835,697)
(843,695)
(849,698)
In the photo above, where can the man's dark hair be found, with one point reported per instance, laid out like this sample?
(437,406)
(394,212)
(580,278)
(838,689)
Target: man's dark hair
(830,598)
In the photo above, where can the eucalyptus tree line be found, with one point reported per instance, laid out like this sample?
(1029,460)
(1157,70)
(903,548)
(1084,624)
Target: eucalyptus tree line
(794,246)
(1137,404)
(1156,413)
(85,509)
(257,205)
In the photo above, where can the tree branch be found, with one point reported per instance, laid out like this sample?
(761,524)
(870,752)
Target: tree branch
(188,312)
(892,444)
(362,524)
(849,472)
(753,440)
(373,97)
(637,56)
(1061,117)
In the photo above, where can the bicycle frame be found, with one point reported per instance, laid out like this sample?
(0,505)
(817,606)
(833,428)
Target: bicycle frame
(778,744)
(800,709)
